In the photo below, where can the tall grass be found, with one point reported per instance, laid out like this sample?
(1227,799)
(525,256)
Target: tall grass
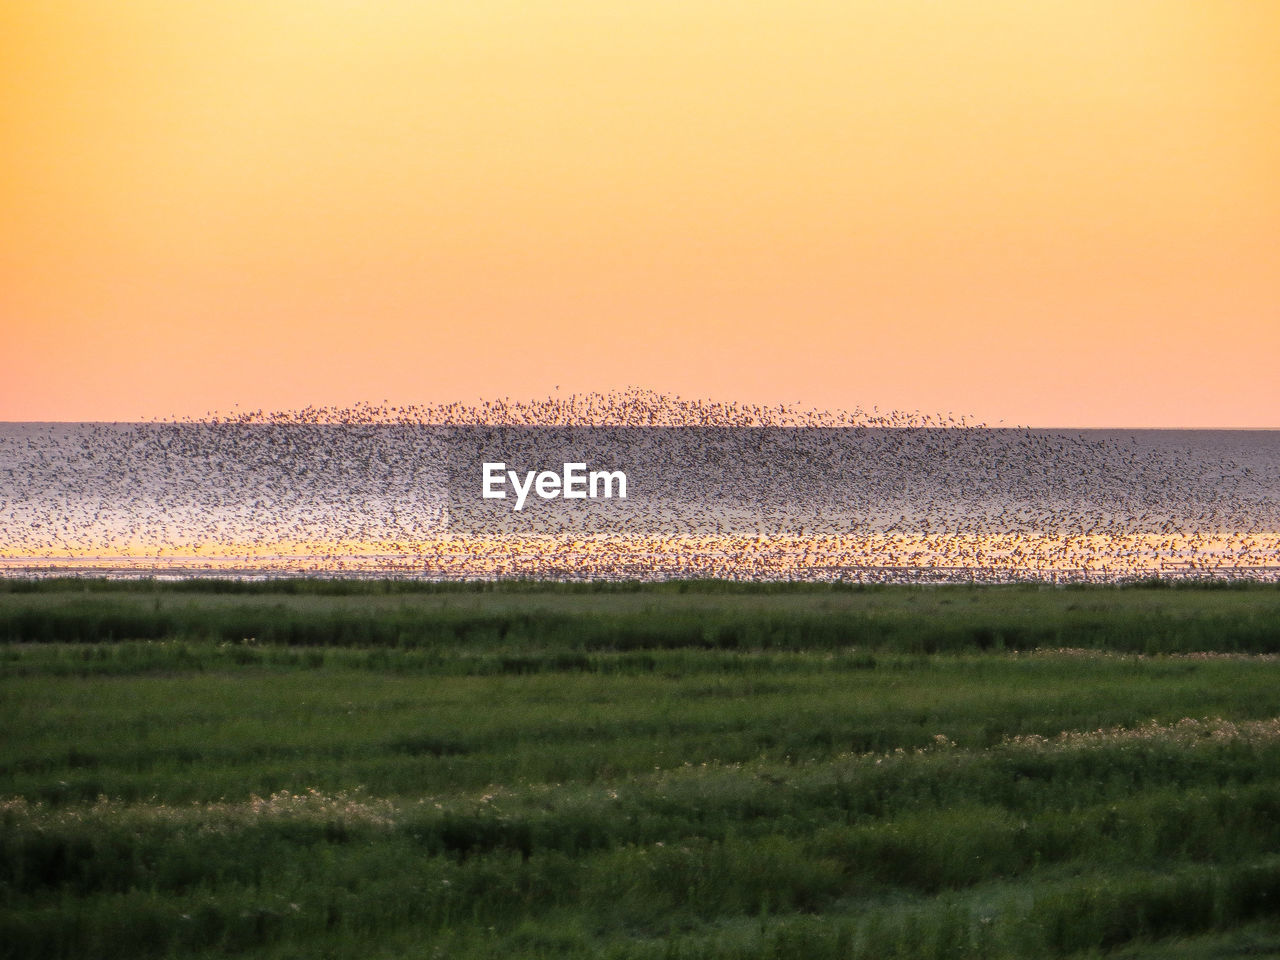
(659,616)
(526,778)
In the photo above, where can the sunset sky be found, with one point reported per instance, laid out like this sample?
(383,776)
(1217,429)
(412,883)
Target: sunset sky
(1055,213)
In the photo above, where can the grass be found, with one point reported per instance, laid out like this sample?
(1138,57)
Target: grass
(562,618)
(364,770)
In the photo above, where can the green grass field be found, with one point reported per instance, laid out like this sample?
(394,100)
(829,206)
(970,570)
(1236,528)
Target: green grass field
(361,770)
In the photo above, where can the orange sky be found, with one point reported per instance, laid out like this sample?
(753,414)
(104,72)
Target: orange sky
(1056,213)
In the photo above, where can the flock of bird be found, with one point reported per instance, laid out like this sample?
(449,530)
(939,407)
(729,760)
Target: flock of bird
(715,489)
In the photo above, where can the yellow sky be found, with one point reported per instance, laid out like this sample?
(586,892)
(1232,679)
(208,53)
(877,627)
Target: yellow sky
(1059,213)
